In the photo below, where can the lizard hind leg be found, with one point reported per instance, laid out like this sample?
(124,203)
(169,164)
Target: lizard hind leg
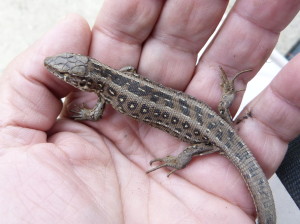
(228,94)
(183,158)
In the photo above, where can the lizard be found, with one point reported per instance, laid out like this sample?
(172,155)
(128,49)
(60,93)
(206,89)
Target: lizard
(170,110)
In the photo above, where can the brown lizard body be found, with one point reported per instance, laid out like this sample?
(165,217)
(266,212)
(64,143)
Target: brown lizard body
(170,110)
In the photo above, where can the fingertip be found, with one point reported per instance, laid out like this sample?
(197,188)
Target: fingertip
(286,82)
(71,34)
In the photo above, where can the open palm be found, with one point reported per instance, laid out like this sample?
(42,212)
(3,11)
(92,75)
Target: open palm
(61,171)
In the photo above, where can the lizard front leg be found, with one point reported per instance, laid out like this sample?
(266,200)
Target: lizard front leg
(84,113)
(128,69)
(94,114)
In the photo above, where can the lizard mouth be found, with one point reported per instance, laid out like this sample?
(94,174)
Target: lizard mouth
(60,75)
(48,64)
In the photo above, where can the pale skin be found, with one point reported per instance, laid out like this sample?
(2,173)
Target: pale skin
(64,171)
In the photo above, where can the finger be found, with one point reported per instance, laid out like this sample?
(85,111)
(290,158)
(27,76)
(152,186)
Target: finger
(275,117)
(29,95)
(169,49)
(120,30)
(245,41)
(170,54)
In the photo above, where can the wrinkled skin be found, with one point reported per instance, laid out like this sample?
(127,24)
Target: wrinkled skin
(61,171)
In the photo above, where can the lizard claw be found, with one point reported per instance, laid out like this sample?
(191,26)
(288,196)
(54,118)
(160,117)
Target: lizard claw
(81,112)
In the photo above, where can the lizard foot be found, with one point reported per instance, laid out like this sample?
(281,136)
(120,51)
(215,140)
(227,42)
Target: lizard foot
(81,113)
(183,159)
(228,94)
(169,161)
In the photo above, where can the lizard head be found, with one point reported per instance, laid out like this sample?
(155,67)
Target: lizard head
(71,68)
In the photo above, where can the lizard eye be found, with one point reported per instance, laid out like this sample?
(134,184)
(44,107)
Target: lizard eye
(82,83)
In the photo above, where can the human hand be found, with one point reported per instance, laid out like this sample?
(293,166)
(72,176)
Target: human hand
(89,172)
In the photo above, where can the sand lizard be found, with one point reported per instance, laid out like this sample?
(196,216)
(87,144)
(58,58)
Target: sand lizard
(173,111)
